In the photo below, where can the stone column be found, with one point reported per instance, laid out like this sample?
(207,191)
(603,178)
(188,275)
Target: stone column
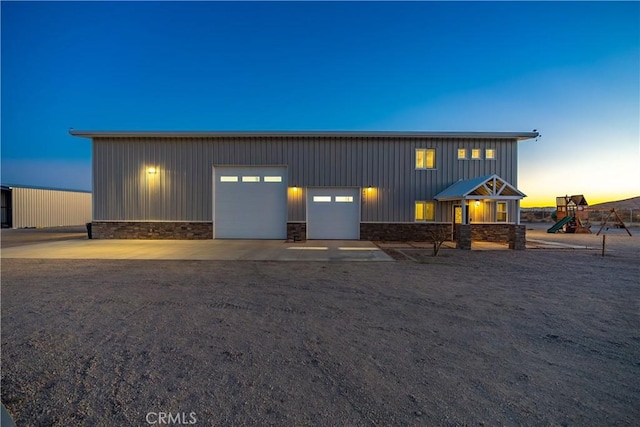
(517,237)
(463,236)
(296,231)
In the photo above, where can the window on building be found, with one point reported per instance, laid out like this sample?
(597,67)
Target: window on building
(501,211)
(344,199)
(228,179)
(425,158)
(322,199)
(272,179)
(250,179)
(490,154)
(462,153)
(475,154)
(425,211)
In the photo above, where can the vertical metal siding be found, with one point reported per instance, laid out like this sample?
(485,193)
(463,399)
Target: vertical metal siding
(181,190)
(34,207)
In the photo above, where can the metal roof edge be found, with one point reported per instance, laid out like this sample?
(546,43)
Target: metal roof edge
(353,134)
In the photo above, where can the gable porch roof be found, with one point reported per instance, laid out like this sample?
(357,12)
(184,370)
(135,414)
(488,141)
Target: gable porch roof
(490,187)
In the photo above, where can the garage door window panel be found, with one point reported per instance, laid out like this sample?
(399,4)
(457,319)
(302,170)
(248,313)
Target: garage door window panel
(272,179)
(250,179)
(344,199)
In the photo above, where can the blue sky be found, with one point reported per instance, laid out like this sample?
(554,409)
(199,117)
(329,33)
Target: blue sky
(570,70)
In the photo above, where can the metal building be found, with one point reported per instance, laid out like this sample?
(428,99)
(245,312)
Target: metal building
(34,207)
(340,185)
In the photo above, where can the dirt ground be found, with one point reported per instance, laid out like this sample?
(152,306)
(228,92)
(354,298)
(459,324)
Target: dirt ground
(536,337)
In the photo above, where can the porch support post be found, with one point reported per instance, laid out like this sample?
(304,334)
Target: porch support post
(463,236)
(518,212)
(464,211)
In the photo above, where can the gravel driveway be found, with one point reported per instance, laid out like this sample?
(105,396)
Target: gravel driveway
(467,338)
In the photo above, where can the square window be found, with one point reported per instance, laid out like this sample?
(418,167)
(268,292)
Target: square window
(462,153)
(475,154)
(228,179)
(425,158)
(490,154)
(425,211)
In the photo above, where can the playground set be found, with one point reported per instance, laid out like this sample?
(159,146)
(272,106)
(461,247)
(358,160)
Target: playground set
(572,216)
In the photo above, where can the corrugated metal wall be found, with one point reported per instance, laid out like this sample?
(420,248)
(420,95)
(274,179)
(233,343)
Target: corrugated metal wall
(181,190)
(34,207)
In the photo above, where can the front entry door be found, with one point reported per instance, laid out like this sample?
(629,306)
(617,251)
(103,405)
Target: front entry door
(457,214)
(457,218)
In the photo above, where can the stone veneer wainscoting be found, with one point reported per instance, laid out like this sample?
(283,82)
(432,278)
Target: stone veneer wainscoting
(296,231)
(152,230)
(394,231)
(513,234)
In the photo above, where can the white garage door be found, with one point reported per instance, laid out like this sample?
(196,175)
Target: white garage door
(250,202)
(333,213)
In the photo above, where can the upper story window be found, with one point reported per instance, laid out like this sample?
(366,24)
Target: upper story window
(425,158)
(476,154)
(462,153)
(490,154)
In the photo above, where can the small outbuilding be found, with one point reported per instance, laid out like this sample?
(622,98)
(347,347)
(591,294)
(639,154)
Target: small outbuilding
(37,207)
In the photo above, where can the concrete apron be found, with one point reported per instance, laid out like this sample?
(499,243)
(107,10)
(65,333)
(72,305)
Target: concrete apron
(228,250)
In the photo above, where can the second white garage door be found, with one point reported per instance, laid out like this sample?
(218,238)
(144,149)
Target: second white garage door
(333,213)
(250,202)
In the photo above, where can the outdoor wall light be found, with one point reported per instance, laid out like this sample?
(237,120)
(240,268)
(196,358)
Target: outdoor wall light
(295,188)
(152,170)
(370,189)
(477,203)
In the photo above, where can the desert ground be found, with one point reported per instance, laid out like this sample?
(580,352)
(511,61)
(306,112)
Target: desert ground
(538,337)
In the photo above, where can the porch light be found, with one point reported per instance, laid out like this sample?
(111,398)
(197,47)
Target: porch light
(477,203)
(152,170)
(370,189)
(295,188)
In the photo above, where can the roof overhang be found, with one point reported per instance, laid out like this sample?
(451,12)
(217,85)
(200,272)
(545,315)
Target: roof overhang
(489,187)
(349,134)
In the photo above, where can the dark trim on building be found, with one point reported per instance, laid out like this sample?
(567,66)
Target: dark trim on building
(281,134)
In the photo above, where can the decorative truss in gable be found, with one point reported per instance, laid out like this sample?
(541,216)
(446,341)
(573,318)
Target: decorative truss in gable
(485,187)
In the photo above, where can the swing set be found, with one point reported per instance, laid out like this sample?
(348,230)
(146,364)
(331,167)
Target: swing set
(617,223)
